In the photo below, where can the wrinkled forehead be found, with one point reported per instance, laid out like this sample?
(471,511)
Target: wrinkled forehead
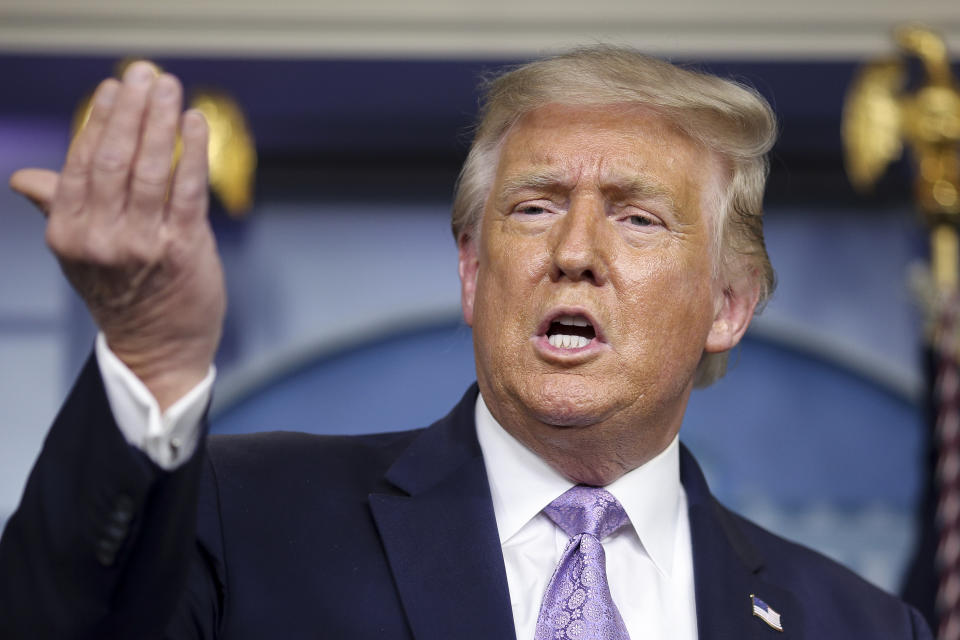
(631,147)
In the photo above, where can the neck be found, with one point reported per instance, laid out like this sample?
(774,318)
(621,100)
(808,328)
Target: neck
(596,454)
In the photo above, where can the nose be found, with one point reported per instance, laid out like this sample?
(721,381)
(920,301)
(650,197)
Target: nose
(577,244)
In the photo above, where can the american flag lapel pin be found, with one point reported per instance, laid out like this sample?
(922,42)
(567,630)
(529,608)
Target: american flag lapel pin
(766,613)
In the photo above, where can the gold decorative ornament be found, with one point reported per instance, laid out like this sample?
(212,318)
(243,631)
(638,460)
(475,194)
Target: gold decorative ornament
(880,117)
(232,152)
(233,157)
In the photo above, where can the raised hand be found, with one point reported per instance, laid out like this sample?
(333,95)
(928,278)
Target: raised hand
(133,241)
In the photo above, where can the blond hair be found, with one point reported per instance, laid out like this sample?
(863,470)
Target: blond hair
(726,117)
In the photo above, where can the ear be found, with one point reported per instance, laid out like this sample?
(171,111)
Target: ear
(468,267)
(734,304)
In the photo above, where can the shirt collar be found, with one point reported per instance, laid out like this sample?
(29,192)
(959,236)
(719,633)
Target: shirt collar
(522,484)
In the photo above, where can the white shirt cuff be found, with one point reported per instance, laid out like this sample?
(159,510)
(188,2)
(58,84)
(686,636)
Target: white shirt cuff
(170,438)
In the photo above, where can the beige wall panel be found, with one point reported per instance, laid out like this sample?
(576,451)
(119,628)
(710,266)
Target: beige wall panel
(765,29)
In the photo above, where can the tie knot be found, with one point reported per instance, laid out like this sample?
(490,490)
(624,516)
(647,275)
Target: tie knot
(587,510)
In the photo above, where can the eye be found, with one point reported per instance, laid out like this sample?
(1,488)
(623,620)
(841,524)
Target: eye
(636,218)
(531,209)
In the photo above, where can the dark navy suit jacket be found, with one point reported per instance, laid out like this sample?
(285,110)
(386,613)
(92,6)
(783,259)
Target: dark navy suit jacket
(287,535)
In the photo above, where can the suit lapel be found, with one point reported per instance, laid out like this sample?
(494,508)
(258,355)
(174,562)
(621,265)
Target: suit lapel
(441,538)
(728,571)
(442,545)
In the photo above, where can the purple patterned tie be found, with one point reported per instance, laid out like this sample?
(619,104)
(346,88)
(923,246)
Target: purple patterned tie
(577,604)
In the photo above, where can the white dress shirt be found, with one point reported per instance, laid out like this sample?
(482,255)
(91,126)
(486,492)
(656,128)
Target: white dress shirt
(168,438)
(649,564)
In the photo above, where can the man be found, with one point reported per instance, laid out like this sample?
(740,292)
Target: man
(608,220)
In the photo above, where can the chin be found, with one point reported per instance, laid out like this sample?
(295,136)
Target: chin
(567,400)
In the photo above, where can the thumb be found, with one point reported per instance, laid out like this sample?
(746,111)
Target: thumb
(37,185)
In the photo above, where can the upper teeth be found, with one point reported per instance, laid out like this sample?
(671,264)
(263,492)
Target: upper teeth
(576,321)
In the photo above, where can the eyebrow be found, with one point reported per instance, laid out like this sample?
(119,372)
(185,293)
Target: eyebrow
(621,186)
(549,180)
(638,186)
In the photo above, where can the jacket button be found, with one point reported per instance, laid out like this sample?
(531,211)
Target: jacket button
(115,532)
(122,510)
(106,552)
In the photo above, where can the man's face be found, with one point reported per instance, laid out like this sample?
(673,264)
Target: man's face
(590,288)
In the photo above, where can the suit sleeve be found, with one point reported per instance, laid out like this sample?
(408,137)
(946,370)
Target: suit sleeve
(103,544)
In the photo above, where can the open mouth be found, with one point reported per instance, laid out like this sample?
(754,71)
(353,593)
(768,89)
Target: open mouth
(570,332)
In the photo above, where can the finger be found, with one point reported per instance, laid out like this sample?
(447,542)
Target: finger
(73,184)
(151,172)
(188,195)
(110,168)
(37,185)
